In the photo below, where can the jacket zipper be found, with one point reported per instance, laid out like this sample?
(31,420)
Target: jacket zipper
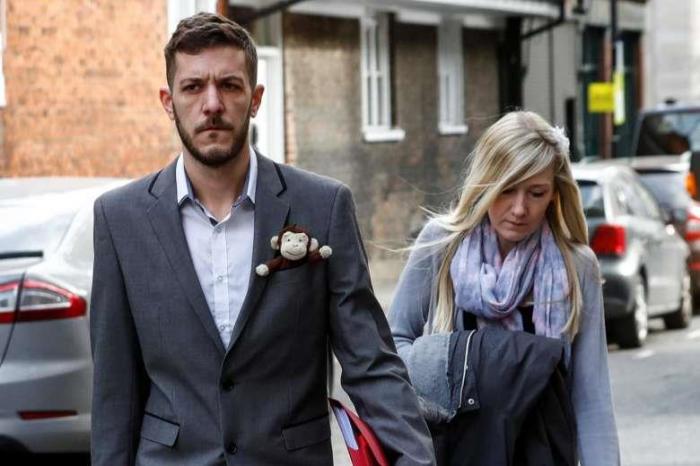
(466,367)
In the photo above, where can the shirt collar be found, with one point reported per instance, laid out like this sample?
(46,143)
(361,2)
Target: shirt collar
(184,187)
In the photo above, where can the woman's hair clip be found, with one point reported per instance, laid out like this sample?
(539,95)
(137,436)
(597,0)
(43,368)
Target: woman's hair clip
(562,141)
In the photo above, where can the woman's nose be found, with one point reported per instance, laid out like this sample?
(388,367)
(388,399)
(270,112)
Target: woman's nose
(520,205)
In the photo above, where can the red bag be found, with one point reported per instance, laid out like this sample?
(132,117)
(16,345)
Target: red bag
(363,446)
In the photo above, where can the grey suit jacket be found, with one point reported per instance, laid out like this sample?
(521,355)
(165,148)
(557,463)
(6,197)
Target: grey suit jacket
(166,391)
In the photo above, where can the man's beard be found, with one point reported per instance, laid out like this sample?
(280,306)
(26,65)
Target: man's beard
(216,157)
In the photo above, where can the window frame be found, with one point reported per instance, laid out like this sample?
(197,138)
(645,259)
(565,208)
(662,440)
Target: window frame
(451,102)
(181,9)
(377,125)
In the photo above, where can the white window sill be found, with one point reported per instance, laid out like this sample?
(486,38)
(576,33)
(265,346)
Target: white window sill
(446,129)
(383,135)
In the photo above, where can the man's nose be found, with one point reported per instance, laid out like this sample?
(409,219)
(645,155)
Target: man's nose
(212,101)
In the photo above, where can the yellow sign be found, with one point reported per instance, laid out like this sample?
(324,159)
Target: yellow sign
(601,97)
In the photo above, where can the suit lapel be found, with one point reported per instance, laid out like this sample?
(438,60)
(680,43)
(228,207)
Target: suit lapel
(270,216)
(164,215)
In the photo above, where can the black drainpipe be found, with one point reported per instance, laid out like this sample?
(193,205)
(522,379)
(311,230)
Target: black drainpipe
(548,26)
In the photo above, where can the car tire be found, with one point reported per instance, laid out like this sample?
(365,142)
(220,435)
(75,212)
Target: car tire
(632,330)
(681,317)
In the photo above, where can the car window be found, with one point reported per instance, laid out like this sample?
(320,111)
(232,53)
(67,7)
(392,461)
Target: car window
(629,197)
(620,199)
(30,226)
(674,132)
(647,202)
(77,247)
(592,198)
(668,187)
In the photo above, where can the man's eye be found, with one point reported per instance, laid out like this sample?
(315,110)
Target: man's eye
(537,194)
(190,87)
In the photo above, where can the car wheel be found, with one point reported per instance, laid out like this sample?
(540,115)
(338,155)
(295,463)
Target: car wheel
(681,317)
(633,329)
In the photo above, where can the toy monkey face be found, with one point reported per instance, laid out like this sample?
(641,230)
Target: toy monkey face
(294,246)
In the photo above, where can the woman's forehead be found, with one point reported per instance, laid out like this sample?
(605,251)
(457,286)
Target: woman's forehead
(544,177)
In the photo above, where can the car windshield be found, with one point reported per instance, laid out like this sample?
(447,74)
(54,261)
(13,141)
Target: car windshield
(669,133)
(668,187)
(592,198)
(28,226)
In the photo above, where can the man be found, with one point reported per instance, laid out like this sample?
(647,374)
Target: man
(198,360)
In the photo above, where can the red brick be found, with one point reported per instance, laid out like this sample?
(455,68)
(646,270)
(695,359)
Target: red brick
(82,80)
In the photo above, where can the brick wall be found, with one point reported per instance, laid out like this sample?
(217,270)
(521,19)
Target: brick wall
(323,104)
(82,88)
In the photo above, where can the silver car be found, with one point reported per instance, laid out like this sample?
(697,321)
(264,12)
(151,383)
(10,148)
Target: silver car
(45,278)
(642,257)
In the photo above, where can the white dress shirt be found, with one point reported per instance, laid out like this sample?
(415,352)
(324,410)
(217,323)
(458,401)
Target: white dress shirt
(222,251)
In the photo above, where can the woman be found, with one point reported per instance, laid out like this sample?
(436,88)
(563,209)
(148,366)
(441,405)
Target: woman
(511,254)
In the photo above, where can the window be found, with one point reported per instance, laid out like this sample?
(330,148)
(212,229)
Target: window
(639,202)
(181,9)
(451,76)
(648,203)
(376,80)
(669,132)
(592,199)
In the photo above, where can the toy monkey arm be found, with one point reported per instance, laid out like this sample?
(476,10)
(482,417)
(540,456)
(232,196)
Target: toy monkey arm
(270,266)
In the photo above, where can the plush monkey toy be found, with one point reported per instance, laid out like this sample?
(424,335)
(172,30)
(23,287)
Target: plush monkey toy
(296,247)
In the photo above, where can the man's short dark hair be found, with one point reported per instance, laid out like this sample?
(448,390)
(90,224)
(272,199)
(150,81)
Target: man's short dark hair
(207,30)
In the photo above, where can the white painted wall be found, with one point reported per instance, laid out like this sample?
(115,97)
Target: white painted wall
(672,51)
(541,85)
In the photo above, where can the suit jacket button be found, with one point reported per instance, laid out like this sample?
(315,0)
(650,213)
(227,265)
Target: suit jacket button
(227,385)
(232,448)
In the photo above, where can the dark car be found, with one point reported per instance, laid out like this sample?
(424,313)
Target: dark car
(668,179)
(667,130)
(671,130)
(642,257)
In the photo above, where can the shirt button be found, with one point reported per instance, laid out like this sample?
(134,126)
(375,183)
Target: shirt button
(217,230)
(232,448)
(471,401)
(220,278)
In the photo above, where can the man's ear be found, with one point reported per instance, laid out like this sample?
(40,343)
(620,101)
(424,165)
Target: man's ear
(166,100)
(275,242)
(256,99)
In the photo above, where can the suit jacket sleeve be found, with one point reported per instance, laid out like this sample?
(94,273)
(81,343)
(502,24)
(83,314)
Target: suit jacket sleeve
(372,373)
(119,381)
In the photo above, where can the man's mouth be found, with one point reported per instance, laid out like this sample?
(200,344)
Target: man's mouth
(214,126)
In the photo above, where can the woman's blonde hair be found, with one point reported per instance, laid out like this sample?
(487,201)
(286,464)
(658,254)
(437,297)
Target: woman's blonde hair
(518,146)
